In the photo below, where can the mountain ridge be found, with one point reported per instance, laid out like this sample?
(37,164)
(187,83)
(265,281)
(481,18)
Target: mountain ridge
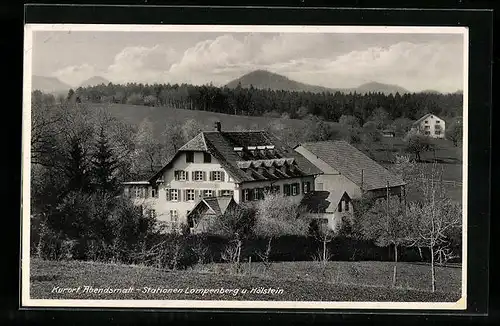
(263,79)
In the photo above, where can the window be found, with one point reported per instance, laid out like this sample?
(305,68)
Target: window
(190,195)
(437,127)
(138,192)
(258,193)
(154,192)
(427,133)
(226,192)
(295,189)
(180,175)
(276,189)
(151,213)
(286,190)
(198,175)
(207,158)
(346,205)
(217,175)
(426,121)
(189,157)
(174,219)
(438,121)
(437,132)
(208,193)
(306,187)
(427,127)
(173,194)
(248,194)
(339,208)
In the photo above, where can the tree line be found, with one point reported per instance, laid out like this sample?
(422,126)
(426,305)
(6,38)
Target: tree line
(257,102)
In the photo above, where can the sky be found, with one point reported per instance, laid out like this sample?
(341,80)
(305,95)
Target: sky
(338,60)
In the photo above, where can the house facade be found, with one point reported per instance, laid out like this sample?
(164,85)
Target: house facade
(430,125)
(347,169)
(329,207)
(238,165)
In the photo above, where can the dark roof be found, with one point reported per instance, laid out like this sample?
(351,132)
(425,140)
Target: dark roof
(425,117)
(270,159)
(323,201)
(218,205)
(352,163)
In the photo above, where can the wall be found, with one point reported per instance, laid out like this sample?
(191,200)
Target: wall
(163,206)
(261,184)
(331,179)
(432,122)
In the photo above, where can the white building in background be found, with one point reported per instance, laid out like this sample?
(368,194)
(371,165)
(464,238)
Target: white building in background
(430,125)
(242,165)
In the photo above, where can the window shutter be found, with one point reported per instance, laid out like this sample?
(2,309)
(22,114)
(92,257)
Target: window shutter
(185,195)
(298,188)
(204,176)
(193,176)
(211,176)
(339,208)
(168,195)
(222,176)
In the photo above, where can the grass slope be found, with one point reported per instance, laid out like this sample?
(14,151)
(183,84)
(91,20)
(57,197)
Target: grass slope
(298,280)
(160,116)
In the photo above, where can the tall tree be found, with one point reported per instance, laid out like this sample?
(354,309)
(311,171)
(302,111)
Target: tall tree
(104,164)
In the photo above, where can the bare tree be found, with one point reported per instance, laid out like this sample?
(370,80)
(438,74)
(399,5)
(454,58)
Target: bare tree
(325,235)
(434,218)
(385,223)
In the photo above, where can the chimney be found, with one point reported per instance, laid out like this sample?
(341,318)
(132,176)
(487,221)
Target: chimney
(217,126)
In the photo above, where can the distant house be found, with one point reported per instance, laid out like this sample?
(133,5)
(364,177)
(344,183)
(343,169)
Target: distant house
(330,207)
(430,125)
(240,165)
(346,169)
(388,133)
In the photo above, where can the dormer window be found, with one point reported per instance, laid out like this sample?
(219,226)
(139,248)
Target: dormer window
(426,121)
(189,157)
(207,158)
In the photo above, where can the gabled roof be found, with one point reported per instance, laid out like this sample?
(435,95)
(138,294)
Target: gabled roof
(354,164)
(323,201)
(196,144)
(425,117)
(268,157)
(217,205)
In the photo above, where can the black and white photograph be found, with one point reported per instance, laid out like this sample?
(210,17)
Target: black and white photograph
(238,166)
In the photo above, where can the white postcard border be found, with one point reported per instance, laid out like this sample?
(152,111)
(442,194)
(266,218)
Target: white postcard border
(26,301)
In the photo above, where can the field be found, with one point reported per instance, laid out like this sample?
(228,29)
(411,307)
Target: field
(160,116)
(292,281)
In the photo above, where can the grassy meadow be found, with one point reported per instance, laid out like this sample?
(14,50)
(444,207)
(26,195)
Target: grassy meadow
(298,281)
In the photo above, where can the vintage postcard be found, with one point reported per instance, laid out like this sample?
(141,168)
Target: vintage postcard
(214,166)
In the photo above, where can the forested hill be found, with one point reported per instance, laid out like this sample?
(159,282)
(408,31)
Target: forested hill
(258,102)
(263,79)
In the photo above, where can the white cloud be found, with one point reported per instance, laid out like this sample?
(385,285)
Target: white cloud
(141,64)
(75,75)
(328,60)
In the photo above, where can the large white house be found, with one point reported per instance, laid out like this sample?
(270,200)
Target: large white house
(430,125)
(242,165)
